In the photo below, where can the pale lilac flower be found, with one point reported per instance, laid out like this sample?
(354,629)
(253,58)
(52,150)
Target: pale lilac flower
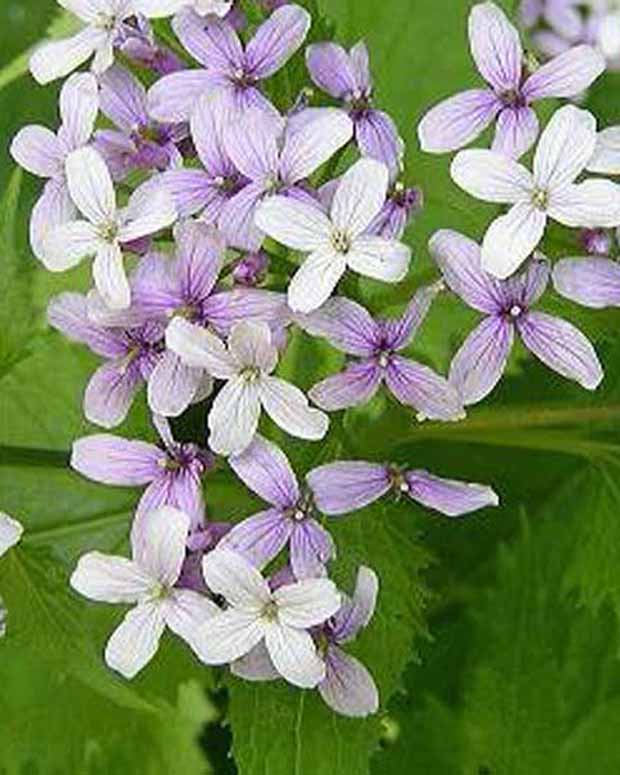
(498,54)
(11,532)
(199,543)
(139,142)
(231,71)
(246,365)
(348,485)
(186,286)
(346,76)
(480,362)
(348,688)
(255,614)
(251,269)
(275,160)
(563,153)
(172,471)
(338,241)
(148,580)
(593,282)
(138,43)
(401,205)
(105,227)
(105,21)
(375,346)
(597,242)
(290,521)
(40,151)
(130,355)
(606,157)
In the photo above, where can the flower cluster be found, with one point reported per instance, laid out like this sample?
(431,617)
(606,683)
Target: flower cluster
(218,221)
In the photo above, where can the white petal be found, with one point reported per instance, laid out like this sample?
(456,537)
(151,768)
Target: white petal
(288,407)
(233,419)
(295,224)
(109,276)
(199,348)
(348,687)
(379,258)
(186,613)
(59,58)
(250,344)
(65,246)
(37,150)
(565,147)
(316,278)
(491,176)
(159,546)
(79,105)
(511,238)
(135,641)
(156,212)
(294,656)
(606,159)
(10,532)
(228,636)
(307,603)
(110,579)
(90,186)
(593,203)
(609,36)
(360,196)
(229,574)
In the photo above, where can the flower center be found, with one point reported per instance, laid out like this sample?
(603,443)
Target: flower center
(105,21)
(270,611)
(515,311)
(397,480)
(109,231)
(251,373)
(160,591)
(243,79)
(384,359)
(512,99)
(540,198)
(341,242)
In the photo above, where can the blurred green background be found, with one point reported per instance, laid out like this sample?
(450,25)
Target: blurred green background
(496,638)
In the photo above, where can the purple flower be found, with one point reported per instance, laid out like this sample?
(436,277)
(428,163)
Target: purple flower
(291,520)
(140,142)
(346,76)
(138,44)
(593,282)
(251,269)
(401,205)
(348,485)
(480,362)
(596,242)
(498,54)
(375,346)
(171,471)
(40,151)
(348,688)
(130,355)
(275,161)
(163,289)
(200,542)
(230,71)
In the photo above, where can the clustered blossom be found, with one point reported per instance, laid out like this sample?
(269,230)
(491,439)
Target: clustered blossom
(219,226)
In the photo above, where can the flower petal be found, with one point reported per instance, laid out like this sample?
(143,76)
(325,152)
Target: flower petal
(79,106)
(172,385)
(495,47)
(606,158)
(229,574)
(66,245)
(199,348)
(360,196)
(60,57)
(229,636)
(10,532)
(91,186)
(233,419)
(255,666)
(173,98)
(53,208)
(315,279)
(378,138)
(110,393)
(149,211)
(312,547)
(238,220)
(354,386)
(186,612)
(109,276)
(511,238)
(109,579)
(565,148)
(356,613)
(252,145)
(593,282)
(277,39)
(135,641)
(561,347)
(492,177)
(426,391)
(38,150)
(294,656)
(379,258)
(265,469)
(346,324)
(331,69)
(566,75)
(457,121)
(306,150)
(591,203)
(348,688)
(307,603)
(516,132)
(288,407)
(259,538)
(116,461)
(293,223)
(348,485)
(249,343)
(447,496)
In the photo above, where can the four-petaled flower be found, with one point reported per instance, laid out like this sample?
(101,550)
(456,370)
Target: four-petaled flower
(498,54)
(564,150)
(148,580)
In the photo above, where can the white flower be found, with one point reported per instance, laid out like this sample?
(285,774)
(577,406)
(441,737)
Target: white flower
(10,532)
(606,159)
(338,241)
(256,614)
(246,365)
(564,151)
(207,7)
(103,21)
(609,34)
(147,580)
(91,188)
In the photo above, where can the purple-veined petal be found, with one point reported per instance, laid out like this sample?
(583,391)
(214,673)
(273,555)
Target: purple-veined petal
(252,145)
(565,148)
(331,69)
(495,47)
(229,574)
(592,203)
(79,106)
(511,238)
(53,208)
(238,220)
(566,75)
(207,124)
(259,538)
(135,641)
(109,579)
(306,150)
(360,196)
(110,393)
(199,348)
(249,344)
(492,177)
(593,282)
(379,258)
(200,253)
(562,347)
(277,39)
(378,138)
(149,210)
(401,331)
(479,363)
(459,260)
(233,420)
(457,121)
(528,287)
(609,34)
(172,385)
(174,96)
(339,488)
(215,45)
(416,385)
(312,547)
(181,490)
(345,323)
(288,407)
(116,461)
(229,636)
(123,99)
(354,386)
(255,666)
(293,223)
(516,132)
(91,186)
(447,496)
(38,150)
(68,313)
(294,655)
(191,190)
(315,280)
(161,548)
(360,62)
(226,308)
(265,469)
(356,612)
(110,277)
(348,688)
